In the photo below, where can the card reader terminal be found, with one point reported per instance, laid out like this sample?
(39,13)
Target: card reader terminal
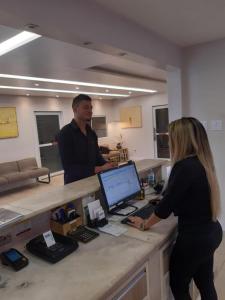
(14,258)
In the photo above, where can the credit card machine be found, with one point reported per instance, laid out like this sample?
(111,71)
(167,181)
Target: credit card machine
(14,258)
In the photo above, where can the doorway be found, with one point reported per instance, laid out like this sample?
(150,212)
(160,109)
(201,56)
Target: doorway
(160,128)
(48,126)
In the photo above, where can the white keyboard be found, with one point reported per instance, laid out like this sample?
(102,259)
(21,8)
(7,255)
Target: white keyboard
(127,210)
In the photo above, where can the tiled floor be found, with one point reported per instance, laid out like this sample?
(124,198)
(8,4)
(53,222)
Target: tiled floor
(33,188)
(220,285)
(28,189)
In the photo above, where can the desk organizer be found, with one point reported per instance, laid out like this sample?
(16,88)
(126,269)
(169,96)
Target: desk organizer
(65,228)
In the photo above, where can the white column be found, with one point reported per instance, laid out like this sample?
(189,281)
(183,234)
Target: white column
(174,93)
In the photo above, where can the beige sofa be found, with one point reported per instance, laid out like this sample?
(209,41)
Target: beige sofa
(16,171)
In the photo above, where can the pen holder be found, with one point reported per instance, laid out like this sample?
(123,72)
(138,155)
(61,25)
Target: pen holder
(65,228)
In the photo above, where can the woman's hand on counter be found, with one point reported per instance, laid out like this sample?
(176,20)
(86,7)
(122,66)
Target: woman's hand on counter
(142,224)
(138,222)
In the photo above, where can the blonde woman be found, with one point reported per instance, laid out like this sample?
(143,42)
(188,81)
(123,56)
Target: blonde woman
(192,194)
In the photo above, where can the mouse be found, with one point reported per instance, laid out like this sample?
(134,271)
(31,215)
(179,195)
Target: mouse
(154,201)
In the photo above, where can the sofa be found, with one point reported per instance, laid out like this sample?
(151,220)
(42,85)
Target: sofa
(16,171)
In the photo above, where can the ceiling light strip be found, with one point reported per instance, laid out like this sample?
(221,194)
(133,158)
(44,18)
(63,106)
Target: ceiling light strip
(88,84)
(16,41)
(60,91)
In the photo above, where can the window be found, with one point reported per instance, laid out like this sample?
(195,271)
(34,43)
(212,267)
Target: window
(98,123)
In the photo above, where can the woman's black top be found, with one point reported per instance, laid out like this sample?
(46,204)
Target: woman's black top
(187,194)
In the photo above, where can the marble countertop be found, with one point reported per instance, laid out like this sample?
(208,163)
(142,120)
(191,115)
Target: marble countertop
(95,270)
(92,272)
(56,196)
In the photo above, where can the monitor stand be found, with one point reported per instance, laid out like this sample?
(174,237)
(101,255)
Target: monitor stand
(118,209)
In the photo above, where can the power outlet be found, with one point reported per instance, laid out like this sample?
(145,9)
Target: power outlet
(5,239)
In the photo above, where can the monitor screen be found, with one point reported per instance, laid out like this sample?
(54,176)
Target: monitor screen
(119,184)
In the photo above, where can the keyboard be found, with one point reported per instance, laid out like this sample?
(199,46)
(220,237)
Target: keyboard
(83,234)
(144,213)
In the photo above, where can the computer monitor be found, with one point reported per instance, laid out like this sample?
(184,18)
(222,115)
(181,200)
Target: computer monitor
(119,185)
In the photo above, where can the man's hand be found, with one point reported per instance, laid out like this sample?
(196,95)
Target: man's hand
(105,167)
(113,164)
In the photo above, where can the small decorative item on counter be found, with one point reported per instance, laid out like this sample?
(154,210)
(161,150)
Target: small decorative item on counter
(118,146)
(159,186)
(151,178)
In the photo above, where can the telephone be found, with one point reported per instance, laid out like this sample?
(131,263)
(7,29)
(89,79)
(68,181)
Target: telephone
(63,247)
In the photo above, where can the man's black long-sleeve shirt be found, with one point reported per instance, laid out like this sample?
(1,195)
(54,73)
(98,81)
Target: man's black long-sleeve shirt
(187,194)
(79,152)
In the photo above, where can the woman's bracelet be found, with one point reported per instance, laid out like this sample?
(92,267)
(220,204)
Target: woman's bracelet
(143,226)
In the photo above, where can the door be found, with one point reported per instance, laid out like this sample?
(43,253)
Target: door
(48,126)
(98,124)
(160,127)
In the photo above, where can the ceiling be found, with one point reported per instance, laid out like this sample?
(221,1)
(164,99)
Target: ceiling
(48,58)
(184,22)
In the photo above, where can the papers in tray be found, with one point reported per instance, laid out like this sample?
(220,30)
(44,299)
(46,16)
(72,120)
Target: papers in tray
(113,229)
(8,216)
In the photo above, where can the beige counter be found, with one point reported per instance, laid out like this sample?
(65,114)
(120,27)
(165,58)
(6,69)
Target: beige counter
(92,272)
(97,269)
(56,196)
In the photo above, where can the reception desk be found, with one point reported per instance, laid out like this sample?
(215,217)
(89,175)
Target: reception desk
(133,266)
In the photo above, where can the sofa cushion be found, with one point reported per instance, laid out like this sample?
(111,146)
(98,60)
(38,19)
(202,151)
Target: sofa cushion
(36,172)
(16,176)
(8,167)
(27,164)
(3,181)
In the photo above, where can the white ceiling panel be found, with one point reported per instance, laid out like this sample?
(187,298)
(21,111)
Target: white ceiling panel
(184,22)
(48,58)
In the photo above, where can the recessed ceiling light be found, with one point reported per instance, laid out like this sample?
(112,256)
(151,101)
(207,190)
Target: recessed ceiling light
(16,41)
(77,88)
(31,26)
(87,43)
(122,53)
(36,84)
(89,84)
(59,91)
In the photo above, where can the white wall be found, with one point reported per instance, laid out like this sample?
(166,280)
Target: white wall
(204,97)
(25,145)
(139,141)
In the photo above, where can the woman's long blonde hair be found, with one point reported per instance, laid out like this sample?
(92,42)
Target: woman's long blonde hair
(188,137)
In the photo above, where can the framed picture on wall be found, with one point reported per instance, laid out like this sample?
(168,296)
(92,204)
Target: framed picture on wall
(130,117)
(8,123)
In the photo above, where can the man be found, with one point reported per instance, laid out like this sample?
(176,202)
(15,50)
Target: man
(78,144)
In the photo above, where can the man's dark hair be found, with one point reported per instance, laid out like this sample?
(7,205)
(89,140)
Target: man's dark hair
(78,99)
